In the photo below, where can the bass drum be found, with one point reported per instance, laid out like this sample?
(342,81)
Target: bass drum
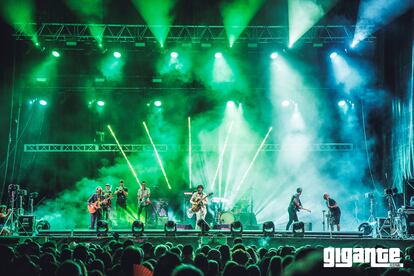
(226,218)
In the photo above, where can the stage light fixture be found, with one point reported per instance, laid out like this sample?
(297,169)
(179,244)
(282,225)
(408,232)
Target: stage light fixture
(170,228)
(42,225)
(285,103)
(341,103)
(174,55)
(236,228)
(333,55)
(117,54)
(203,226)
(157,103)
(298,229)
(43,102)
(102,228)
(100,103)
(137,228)
(218,55)
(55,54)
(274,55)
(231,104)
(268,229)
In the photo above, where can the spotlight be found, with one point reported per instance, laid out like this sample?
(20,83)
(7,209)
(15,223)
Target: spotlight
(102,228)
(333,55)
(117,55)
(137,228)
(341,103)
(55,54)
(100,103)
(354,43)
(298,229)
(170,228)
(285,103)
(203,226)
(230,104)
(274,55)
(268,229)
(43,102)
(174,55)
(236,228)
(157,103)
(365,228)
(42,225)
(218,55)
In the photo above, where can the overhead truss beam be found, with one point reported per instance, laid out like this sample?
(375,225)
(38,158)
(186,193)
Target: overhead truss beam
(177,148)
(182,33)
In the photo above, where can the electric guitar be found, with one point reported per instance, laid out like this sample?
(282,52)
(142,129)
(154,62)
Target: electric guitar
(199,202)
(93,207)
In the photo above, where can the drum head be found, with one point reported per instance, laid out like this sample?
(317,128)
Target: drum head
(226,218)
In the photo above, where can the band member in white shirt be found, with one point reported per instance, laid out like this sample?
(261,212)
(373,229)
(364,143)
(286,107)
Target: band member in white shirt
(199,203)
(144,195)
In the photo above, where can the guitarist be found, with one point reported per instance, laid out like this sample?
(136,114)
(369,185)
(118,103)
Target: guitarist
(334,212)
(295,206)
(199,198)
(143,199)
(96,200)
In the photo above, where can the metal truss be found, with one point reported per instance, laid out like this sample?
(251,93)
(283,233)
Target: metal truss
(181,33)
(177,148)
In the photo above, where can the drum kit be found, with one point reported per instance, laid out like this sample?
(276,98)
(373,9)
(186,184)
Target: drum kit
(223,215)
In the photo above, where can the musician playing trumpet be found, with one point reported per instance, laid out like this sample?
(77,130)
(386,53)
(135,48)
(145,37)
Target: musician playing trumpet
(199,203)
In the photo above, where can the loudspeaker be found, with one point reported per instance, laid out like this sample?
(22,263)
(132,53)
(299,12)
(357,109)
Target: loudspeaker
(221,227)
(26,225)
(184,227)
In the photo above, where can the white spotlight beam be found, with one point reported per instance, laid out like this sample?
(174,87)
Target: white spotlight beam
(126,158)
(157,155)
(254,159)
(222,154)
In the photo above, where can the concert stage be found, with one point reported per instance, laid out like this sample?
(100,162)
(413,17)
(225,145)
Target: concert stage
(214,237)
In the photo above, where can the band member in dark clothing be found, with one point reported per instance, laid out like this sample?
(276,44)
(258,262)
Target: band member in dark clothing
(95,200)
(121,201)
(334,212)
(295,206)
(107,207)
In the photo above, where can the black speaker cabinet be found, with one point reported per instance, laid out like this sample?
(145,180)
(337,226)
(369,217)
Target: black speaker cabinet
(26,225)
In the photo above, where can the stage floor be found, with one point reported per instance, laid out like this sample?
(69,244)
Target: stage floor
(213,237)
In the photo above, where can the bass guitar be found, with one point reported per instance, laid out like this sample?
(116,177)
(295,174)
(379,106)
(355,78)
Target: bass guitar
(93,207)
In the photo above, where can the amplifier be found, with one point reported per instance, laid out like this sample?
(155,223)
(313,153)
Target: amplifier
(26,225)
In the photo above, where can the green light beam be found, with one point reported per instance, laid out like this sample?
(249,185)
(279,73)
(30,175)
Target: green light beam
(222,154)
(123,153)
(157,155)
(189,152)
(254,159)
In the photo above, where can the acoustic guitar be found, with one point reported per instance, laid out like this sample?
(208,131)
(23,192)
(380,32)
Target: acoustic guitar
(93,207)
(197,205)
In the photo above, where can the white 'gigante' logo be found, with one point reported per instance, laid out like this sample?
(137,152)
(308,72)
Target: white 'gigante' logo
(377,257)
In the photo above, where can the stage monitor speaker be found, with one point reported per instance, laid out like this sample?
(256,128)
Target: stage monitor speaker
(410,223)
(221,227)
(184,227)
(26,225)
